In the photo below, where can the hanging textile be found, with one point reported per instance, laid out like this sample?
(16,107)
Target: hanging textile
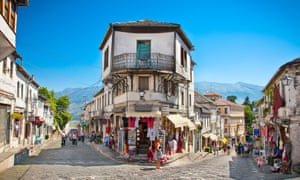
(277,101)
(150,122)
(136,124)
(125,121)
(131,122)
(108,130)
(179,146)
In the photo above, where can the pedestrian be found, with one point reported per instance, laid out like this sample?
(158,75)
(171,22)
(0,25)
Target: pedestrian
(224,148)
(158,153)
(63,138)
(228,149)
(174,145)
(82,134)
(74,138)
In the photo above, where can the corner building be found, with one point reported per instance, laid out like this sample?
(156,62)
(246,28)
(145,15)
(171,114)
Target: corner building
(147,72)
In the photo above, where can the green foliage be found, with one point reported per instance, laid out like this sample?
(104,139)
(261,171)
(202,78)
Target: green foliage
(50,96)
(249,117)
(58,106)
(232,98)
(248,103)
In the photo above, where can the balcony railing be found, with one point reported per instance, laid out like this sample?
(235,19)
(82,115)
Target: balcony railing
(156,62)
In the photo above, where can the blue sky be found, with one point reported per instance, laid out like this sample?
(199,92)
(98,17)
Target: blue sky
(234,41)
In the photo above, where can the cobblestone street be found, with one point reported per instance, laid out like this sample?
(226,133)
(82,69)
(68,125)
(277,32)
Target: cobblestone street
(83,161)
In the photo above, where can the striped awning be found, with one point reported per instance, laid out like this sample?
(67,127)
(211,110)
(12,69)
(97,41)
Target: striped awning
(210,135)
(180,121)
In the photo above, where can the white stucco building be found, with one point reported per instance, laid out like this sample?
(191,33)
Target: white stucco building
(147,72)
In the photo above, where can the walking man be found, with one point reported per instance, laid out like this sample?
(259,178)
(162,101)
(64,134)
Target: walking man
(82,134)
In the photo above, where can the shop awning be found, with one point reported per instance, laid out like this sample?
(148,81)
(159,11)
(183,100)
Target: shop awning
(206,135)
(180,121)
(107,115)
(213,137)
(190,124)
(210,135)
(143,114)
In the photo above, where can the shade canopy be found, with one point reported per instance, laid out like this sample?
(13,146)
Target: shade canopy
(180,121)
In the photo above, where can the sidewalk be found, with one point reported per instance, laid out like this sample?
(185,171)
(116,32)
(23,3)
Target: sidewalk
(13,155)
(142,160)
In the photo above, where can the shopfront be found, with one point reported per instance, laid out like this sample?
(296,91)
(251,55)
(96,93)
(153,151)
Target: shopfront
(137,132)
(182,129)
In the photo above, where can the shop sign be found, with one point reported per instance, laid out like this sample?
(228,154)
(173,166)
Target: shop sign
(143,107)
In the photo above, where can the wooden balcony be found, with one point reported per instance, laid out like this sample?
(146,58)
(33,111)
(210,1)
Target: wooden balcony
(129,61)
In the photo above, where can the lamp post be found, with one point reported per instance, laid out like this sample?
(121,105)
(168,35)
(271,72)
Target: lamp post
(142,94)
(288,79)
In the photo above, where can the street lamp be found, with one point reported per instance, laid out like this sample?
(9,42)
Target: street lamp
(287,80)
(142,94)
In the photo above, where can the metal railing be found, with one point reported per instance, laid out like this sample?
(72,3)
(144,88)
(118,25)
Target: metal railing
(157,61)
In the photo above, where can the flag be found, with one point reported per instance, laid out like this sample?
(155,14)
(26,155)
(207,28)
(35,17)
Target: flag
(277,101)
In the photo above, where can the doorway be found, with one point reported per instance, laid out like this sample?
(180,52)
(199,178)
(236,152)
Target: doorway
(143,142)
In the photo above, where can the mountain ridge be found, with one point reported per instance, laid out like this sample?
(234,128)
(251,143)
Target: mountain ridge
(80,96)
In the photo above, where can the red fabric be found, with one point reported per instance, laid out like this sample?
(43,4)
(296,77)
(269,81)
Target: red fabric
(150,155)
(277,103)
(150,122)
(143,119)
(264,131)
(131,122)
(179,146)
(108,130)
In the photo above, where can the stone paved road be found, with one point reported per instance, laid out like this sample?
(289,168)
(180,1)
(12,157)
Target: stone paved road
(83,162)
(81,154)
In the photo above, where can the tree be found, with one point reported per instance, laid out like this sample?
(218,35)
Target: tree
(58,106)
(50,96)
(62,117)
(232,98)
(249,117)
(247,102)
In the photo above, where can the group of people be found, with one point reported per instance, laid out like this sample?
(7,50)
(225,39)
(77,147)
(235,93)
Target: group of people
(243,149)
(155,152)
(73,136)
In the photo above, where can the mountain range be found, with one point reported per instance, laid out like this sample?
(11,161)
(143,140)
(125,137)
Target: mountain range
(80,96)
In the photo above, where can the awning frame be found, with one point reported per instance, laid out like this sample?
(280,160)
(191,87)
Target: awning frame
(180,121)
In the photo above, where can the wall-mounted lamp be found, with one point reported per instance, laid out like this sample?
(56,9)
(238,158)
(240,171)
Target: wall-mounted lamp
(287,80)
(168,95)
(142,94)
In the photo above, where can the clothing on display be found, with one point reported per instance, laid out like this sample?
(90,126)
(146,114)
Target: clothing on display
(125,121)
(131,122)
